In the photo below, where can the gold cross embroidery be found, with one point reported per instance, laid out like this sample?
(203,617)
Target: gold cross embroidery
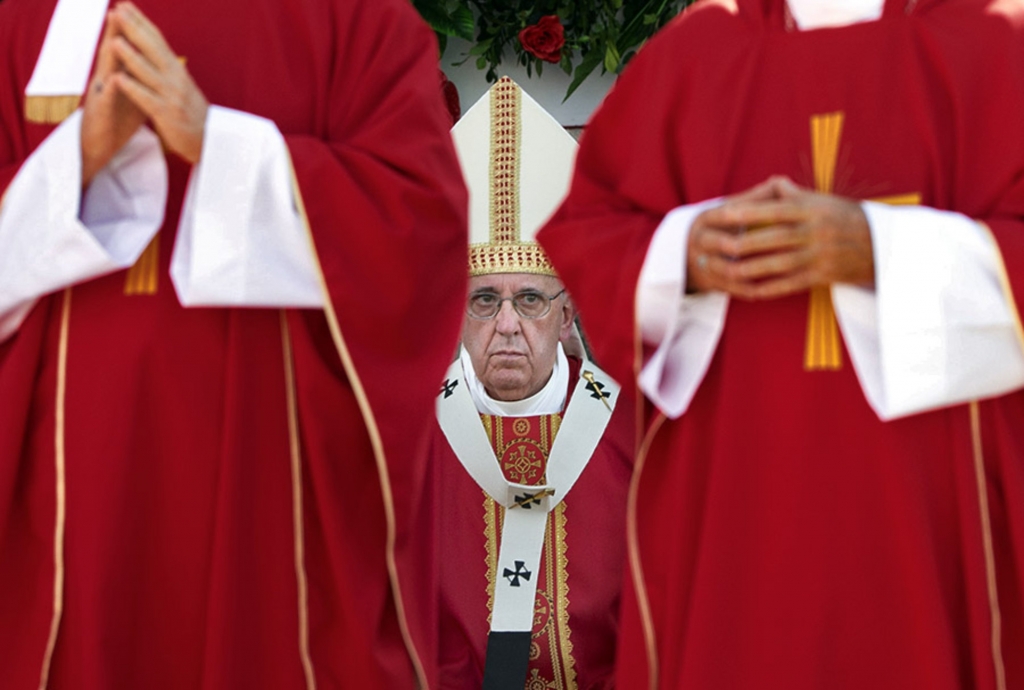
(822,351)
(142,277)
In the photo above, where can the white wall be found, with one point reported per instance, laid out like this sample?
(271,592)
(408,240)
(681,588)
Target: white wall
(548,90)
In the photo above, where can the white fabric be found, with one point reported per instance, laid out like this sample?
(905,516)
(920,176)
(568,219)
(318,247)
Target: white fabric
(938,329)
(45,242)
(684,328)
(821,14)
(527,506)
(548,400)
(241,241)
(66,58)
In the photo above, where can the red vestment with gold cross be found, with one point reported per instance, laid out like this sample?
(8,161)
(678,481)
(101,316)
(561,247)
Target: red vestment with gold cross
(577,602)
(783,536)
(216,498)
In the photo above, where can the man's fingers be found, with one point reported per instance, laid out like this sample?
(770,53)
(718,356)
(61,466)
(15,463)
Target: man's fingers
(144,99)
(144,35)
(754,214)
(773,238)
(141,69)
(769,265)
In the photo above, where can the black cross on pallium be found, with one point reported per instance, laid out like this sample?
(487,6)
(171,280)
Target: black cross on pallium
(448,387)
(520,572)
(596,389)
(529,500)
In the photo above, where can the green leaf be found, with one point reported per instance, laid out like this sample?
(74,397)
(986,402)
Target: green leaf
(481,62)
(585,68)
(611,58)
(462,22)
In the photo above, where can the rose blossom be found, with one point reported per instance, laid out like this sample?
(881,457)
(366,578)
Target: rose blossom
(544,40)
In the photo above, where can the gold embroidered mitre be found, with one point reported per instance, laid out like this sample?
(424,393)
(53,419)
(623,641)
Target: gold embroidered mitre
(518,162)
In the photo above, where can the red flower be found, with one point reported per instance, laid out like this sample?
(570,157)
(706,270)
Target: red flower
(451,98)
(544,40)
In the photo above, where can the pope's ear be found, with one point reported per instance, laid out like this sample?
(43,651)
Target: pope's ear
(568,319)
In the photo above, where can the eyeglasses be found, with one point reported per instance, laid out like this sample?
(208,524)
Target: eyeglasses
(529,304)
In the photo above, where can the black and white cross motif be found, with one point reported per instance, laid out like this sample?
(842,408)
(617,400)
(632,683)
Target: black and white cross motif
(520,572)
(448,387)
(596,389)
(529,500)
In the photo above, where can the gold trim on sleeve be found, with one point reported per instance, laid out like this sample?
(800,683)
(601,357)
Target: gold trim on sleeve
(372,431)
(61,489)
(990,559)
(297,509)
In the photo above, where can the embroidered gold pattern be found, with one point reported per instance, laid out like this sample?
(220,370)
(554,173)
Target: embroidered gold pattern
(521,426)
(143,277)
(506,252)
(551,641)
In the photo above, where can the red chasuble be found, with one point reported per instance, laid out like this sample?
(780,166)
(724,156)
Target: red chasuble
(216,498)
(782,536)
(576,616)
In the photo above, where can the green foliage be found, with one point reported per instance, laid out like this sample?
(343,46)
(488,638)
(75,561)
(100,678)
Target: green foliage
(598,33)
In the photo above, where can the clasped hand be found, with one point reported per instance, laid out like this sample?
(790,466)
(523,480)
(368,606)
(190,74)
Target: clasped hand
(777,239)
(138,78)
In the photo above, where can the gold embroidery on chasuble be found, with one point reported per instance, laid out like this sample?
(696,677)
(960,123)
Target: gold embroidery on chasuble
(522,445)
(823,351)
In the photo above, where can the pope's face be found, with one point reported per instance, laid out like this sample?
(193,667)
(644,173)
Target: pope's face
(513,356)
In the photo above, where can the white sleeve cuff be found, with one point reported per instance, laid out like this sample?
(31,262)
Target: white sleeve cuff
(241,241)
(684,329)
(938,329)
(46,243)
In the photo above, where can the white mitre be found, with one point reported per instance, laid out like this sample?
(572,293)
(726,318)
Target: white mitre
(518,162)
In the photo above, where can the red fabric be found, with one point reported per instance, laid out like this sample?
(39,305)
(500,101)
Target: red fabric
(594,543)
(787,537)
(180,565)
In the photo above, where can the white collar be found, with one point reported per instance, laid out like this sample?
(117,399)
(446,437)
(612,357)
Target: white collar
(548,400)
(821,14)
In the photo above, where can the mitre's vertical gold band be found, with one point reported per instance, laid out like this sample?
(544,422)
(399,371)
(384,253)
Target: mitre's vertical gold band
(506,130)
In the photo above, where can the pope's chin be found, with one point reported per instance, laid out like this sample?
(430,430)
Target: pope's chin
(506,382)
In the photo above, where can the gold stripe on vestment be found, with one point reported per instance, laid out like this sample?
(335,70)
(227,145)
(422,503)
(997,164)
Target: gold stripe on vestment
(50,110)
(372,431)
(987,543)
(295,451)
(822,351)
(60,463)
(143,277)
(557,522)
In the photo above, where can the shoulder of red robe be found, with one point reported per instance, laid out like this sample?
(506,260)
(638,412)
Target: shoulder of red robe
(62,69)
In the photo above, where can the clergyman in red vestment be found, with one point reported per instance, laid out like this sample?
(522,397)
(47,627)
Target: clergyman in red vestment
(212,414)
(533,450)
(802,232)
